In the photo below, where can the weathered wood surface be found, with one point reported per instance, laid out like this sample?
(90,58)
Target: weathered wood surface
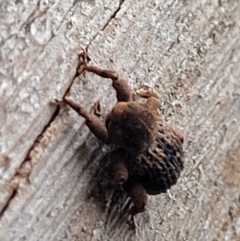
(189,51)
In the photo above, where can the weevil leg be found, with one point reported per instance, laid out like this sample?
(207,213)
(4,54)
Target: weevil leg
(152,98)
(121,86)
(94,123)
(118,169)
(96,109)
(138,195)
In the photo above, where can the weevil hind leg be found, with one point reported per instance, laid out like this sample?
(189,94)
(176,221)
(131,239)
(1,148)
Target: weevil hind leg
(139,197)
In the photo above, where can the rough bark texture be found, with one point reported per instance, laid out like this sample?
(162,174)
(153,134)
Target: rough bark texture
(189,51)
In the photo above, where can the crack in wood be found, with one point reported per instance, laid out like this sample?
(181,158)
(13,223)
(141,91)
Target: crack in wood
(107,23)
(8,202)
(113,15)
(25,168)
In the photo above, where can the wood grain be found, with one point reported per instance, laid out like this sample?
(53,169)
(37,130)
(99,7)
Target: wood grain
(188,51)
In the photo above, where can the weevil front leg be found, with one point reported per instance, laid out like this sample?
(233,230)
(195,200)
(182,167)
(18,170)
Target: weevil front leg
(94,123)
(121,86)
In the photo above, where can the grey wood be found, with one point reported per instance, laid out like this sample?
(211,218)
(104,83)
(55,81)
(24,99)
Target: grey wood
(188,51)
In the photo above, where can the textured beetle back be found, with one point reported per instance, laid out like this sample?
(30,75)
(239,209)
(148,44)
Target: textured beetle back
(159,167)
